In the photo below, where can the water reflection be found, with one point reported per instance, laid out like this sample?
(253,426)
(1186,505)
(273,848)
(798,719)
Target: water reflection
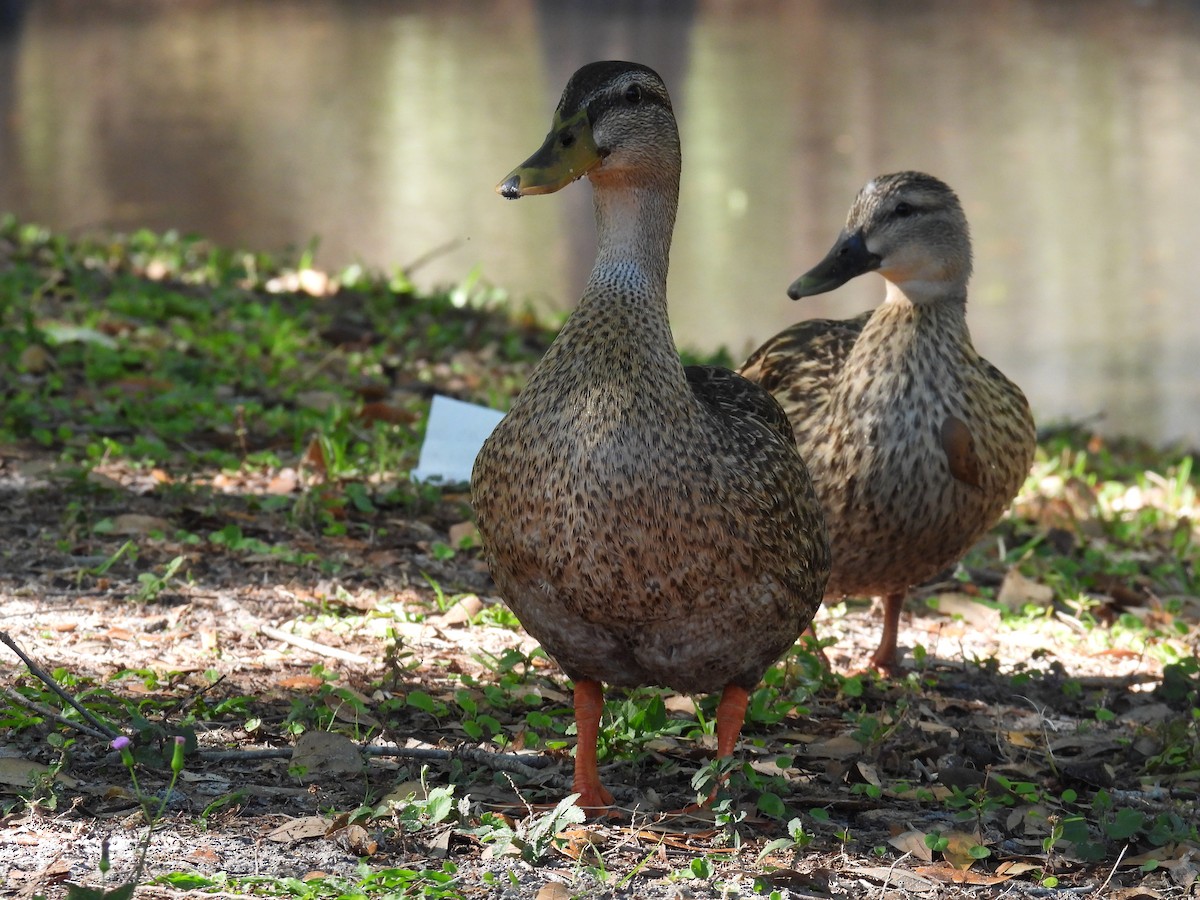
(1069,129)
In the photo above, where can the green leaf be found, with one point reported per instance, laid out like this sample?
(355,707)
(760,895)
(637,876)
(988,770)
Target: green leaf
(771,806)
(1125,824)
(420,700)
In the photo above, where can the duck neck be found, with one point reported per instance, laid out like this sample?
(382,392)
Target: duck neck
(921,292)
(634,223)
(914,316)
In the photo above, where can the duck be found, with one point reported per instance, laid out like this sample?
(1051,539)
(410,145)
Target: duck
(648,524)
(915,442)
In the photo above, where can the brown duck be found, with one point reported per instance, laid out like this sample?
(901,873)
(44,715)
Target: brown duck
(647,523)
(916,443)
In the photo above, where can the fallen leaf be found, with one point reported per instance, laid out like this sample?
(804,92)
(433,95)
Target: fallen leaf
(680,703)
(464,534)
(300,682)
(357,840)
(386,413)
(1017,591)
(841,747)
(972,612)
(958,848)
(913,842)
(960,876)
(898,878)
(23,772)
(580,842)
(301,829)
(553,890)
(136,523)
(285,481)
(319,754)
(459,613)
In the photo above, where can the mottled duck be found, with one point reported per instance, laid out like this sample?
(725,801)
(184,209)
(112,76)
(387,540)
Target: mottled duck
(648,523)
(916,443)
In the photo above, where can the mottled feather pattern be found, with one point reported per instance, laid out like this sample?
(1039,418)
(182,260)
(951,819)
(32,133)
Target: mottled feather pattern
(915,443)
(897,515)
(646,524)
(800,364)
(626,516)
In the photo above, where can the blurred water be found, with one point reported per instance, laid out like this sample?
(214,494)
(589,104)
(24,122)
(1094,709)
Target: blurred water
(1071,130)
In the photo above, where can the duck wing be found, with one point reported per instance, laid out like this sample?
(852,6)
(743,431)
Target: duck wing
(801,363)
(732,396)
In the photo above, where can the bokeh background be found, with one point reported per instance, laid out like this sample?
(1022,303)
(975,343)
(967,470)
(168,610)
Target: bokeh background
(378,130)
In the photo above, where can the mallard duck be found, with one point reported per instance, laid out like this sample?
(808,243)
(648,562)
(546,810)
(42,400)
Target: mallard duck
(648,524)
(916,443)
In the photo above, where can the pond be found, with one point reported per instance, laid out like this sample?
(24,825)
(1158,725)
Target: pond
(1071,131)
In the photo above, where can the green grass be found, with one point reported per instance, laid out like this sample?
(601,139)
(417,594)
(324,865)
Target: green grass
(182,363)
(168,350)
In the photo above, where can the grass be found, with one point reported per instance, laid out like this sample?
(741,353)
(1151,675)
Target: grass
(267,414)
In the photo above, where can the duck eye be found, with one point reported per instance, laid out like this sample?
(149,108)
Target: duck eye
(633,94)
(567,138)
(904,209)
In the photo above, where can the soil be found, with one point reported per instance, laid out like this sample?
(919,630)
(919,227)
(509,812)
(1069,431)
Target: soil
(211,652)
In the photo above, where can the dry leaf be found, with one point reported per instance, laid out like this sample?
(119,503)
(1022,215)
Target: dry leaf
(299,830)
(867,771)
(841,747)
(284,481)
(460,612)
(136,523)
(972,612)
(552,890)
(300,683)
(386,413)
(960,876)
(913,842)
(22,772)
(357,840)
(320,754)
(957,851)
(1017,591)
(464,534)
(580,843)
(680,703)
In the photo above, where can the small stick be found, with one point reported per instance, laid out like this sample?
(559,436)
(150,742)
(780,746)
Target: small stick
(20,699)
(49,681)
(312,646)
(505,762)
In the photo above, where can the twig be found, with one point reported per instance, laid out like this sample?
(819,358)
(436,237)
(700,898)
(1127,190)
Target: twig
(47,679)
(312,646)
(504,762)
(1111,872)
(43,710)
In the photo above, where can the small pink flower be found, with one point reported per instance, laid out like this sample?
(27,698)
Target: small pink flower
(121,743)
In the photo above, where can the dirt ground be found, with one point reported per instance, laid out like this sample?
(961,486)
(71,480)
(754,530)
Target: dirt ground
(985,699)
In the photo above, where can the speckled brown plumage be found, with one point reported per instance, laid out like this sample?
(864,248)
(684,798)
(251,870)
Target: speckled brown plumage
(916,443)
(647,524)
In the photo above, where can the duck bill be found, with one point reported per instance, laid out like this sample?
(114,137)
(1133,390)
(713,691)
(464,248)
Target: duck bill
(569,153)
(848,259)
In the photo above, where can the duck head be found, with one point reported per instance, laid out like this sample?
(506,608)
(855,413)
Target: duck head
(910,228)
(614,124)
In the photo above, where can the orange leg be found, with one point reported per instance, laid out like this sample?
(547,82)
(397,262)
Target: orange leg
(884,658)
(589,703)
(731,713)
